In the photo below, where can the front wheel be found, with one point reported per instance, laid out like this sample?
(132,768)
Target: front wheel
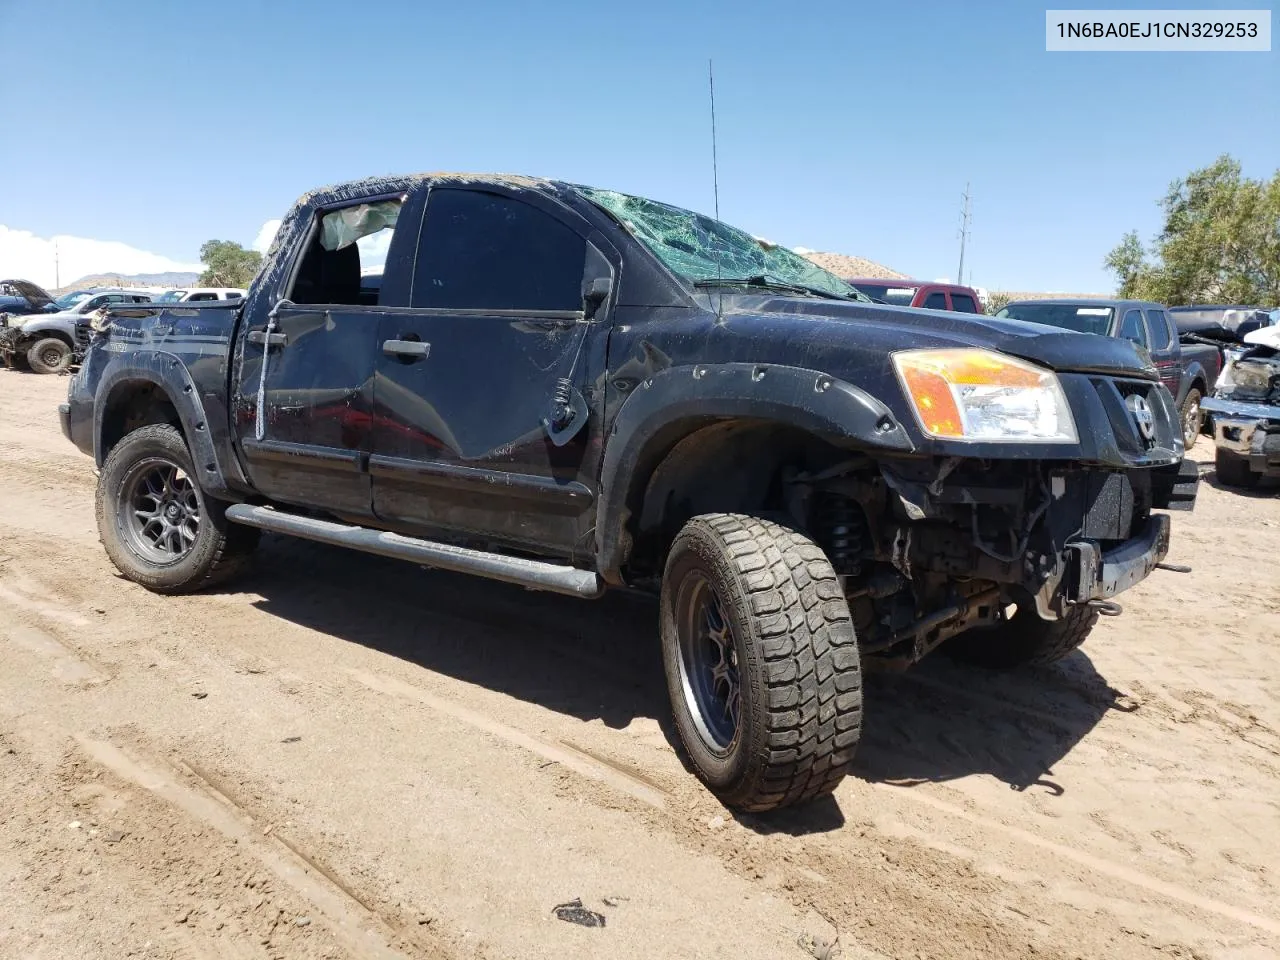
(157,525)
(762,661)
(49,355)
(1024,639)
(1192,417)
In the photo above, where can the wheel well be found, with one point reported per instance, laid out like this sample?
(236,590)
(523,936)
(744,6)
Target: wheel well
(731,466)
(29,340)
(134,404)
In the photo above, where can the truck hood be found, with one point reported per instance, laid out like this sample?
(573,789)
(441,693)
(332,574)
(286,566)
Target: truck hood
(1061,350)
(42,321)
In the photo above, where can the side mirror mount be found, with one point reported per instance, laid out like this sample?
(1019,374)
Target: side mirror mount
(594,292)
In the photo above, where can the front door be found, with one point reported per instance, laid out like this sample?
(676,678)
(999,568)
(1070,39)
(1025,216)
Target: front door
(305,427)
(465,446)
(1163,351)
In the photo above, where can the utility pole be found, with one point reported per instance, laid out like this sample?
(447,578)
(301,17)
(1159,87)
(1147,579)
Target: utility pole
(57,276)
(965,217)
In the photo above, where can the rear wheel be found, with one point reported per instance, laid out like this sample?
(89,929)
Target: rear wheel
(157,525)
(1024,639)
(49,355)
(761,659)
(1192,417)
(1233,470)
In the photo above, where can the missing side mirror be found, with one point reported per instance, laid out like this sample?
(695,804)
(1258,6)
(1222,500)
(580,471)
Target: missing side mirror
(596,290)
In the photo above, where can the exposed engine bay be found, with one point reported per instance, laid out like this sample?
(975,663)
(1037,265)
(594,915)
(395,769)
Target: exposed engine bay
(928,550)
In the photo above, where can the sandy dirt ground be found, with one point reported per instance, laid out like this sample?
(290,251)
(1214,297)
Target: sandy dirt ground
(343,756)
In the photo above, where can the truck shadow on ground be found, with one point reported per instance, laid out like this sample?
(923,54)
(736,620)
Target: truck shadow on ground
(601,661)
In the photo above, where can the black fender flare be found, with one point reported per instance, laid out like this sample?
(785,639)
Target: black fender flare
(170,375)
(809,399)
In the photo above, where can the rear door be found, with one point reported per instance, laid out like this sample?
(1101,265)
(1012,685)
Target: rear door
(468,377)
(304,419)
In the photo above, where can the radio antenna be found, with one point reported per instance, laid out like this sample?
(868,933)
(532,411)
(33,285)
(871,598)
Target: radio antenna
(715,186)
(715,173)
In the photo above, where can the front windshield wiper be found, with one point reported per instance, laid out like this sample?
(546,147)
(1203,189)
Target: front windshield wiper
(770,283)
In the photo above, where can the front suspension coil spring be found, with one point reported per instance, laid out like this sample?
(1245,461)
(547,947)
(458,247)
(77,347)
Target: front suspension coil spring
(842,530)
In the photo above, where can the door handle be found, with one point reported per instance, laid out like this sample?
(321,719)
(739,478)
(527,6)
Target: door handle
(408,349)
(261,337)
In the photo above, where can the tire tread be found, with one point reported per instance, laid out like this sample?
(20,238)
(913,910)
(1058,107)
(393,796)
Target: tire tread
(800,628)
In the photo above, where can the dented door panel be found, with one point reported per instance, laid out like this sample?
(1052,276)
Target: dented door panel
(460,445)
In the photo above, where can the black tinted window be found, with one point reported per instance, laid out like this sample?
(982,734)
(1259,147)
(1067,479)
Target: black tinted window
(964,303)
(936,301)
(484,251)
(1132,327)
(1158,324)
(202,296)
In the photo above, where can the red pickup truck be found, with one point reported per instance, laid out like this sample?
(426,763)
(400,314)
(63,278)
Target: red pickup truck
(918,293)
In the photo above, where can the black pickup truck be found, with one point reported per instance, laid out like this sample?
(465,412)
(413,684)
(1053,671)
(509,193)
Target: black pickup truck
(573,389)
(1189,370)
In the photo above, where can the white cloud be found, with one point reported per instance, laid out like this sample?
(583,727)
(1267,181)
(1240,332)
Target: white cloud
(265,235)
(802,250)
(25,256)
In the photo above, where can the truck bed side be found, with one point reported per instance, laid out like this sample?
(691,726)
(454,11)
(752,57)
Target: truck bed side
(161,363)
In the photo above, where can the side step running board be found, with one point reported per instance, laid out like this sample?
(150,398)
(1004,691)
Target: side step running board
(534,574)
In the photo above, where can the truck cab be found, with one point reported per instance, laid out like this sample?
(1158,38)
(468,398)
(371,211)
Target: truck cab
(920,293)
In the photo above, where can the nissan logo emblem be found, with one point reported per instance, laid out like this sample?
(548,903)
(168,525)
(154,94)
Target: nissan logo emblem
(1142,415)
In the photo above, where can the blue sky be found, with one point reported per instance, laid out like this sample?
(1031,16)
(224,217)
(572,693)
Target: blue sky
(845,126)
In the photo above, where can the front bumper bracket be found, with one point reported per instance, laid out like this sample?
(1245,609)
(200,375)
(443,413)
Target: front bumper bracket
(1095,574)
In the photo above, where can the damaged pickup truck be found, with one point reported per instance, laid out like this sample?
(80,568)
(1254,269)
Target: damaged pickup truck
(573,389)
(1246,411)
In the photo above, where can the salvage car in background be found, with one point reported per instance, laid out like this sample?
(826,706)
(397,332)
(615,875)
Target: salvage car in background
(920,293)
(22,297)
(573,389)
(52,342)
(199,295)
(1188,370)
(1246,410)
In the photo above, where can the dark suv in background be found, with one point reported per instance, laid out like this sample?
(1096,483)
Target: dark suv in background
(917,293)
(1188,370)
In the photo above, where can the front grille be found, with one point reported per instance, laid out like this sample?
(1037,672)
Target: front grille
(1123,413)
(83,334)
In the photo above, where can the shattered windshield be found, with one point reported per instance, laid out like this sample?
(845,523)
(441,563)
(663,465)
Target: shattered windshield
(703,250)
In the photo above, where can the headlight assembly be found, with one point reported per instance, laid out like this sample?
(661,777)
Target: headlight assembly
(981,395)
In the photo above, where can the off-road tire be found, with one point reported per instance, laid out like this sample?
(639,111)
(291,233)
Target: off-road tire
(1233,470)
(221,548)
(1024,639)
(800,673)
(49,355)
(1191,430)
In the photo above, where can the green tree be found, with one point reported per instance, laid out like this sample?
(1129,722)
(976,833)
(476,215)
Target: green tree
(227,264)
(1220,242)
(1128,261)
(996,301)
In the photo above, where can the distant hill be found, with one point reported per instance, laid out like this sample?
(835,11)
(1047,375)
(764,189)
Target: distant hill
(845,266)
(172,279)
